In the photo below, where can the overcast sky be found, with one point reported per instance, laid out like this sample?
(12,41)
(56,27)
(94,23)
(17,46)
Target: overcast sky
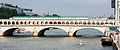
(66,7)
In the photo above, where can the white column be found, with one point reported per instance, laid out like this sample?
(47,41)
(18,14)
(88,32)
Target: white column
(34,32)
(7,22)
(118,13)
(70,31)
(115,9)
(119,39)
(1,32)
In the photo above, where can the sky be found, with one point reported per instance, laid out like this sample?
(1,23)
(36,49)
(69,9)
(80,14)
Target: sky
(66,7)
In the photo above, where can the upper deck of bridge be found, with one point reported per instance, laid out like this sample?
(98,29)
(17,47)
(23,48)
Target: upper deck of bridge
(52,17)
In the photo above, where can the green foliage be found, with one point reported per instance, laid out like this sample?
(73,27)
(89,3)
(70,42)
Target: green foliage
(53,15)
(113,28)
(111,18)
(35,15)
(6,13)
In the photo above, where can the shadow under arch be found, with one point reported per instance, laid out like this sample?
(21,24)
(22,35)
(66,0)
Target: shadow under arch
(9,32)
(86,30)
(41,33)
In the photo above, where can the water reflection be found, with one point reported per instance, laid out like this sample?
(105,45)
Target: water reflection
(89,32)
(53,43)
(86,32)
(55,32)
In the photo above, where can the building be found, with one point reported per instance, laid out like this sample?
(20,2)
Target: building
(18,9)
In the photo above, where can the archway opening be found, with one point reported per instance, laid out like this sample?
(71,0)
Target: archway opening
(17,22)
(1,22)
(46,22)
(88,32)
(52,31)
(25,22)
(5,22)
(21,22)
(17,32)
(13,23)
(9,32)
(9,22)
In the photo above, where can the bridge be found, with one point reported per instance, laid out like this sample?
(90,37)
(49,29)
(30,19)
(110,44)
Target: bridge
(39,24)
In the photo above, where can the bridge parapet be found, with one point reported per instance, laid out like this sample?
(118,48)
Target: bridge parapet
(69,25)
(59,22)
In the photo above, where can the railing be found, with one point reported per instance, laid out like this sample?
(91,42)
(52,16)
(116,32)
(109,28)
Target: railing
(60,22)
(116,39)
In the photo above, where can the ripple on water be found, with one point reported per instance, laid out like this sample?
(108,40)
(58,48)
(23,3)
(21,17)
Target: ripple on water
(51,43)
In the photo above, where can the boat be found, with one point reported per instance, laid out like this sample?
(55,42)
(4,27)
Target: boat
(80,43)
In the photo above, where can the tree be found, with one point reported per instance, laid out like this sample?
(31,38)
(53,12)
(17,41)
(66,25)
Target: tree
(35,15)
(111,18)
(6,13)
(56,15)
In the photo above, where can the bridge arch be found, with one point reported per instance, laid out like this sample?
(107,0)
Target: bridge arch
(9,22)
(80,22)
(102,30)
(5,22)
(63,22)
(84,23)
(55,22)
(59,22)
(102,23)
(29,22)
(9,32)
(71,22)
(89,23)
(25,22)
(21,22)
(33,22)
(37,22)
(93,23)
(50,22)
(41,33)
(76,22)
(112,23)
(17,22)
(1,22)
(46,22)
(13,22)
(98,23)
(67,22)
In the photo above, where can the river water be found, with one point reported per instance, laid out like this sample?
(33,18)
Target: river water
(53,43)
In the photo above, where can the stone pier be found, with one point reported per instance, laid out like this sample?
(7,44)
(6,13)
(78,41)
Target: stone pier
(116,40)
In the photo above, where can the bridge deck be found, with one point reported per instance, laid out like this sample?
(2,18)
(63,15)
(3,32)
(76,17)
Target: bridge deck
(59,25)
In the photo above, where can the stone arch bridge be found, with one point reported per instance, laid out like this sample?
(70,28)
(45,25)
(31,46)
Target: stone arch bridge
(39,26)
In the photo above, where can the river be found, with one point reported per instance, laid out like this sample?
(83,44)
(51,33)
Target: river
(53,43)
